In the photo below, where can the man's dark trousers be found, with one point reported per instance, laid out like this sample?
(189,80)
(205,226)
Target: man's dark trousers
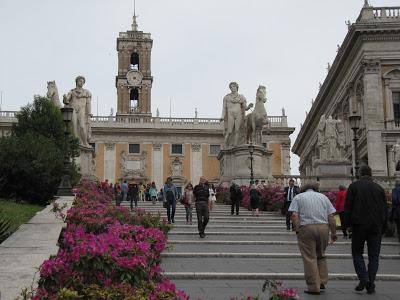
(288,214)
(235,203)
(171,206)
(203,215)
(371,234)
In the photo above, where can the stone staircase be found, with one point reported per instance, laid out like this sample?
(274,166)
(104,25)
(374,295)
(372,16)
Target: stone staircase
(240,252)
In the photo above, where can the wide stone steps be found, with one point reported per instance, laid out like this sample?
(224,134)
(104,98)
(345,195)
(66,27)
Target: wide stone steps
(240,252)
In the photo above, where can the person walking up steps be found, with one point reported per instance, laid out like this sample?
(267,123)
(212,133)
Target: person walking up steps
(339,206)
(170,196)
(236,196)
(313,216)
(366,211)
(201,193)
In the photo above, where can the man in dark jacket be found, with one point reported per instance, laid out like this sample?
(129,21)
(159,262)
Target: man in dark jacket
(289,193)
(366,211)
(201,193)
(133,194)
(236,197)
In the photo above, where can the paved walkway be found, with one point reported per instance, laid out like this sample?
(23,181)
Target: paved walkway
(239,252)
(25,250)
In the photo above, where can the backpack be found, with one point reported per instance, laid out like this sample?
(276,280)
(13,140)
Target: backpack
(170,194)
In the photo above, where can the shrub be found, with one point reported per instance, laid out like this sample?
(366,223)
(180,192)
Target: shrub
(31,159)
(107,253)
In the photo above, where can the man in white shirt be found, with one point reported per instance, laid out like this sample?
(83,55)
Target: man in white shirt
(312,216)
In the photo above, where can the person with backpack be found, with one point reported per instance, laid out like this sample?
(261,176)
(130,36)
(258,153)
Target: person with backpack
(133,194)
(236,197)
(153,192)
(170,196)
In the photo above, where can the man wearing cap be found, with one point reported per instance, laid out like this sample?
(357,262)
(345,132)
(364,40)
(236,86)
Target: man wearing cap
(201,193)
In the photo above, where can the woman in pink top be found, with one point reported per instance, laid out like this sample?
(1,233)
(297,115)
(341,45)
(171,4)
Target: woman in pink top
(339,205)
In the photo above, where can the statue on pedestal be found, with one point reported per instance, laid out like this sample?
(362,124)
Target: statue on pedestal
(256,120)
(80,100)
(233,114)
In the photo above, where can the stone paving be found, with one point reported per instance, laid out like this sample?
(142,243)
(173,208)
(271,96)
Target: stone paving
(25,250)
(239,252)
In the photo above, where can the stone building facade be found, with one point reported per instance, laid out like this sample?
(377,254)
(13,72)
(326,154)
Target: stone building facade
(134,145)
(364,79)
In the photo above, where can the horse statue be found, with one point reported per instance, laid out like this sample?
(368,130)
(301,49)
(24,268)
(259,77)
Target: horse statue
(256,120)
(52,93)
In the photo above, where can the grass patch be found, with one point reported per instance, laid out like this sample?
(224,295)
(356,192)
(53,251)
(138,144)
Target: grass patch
(17,213)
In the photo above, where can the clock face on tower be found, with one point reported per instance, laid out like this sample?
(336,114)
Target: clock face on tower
(134,77)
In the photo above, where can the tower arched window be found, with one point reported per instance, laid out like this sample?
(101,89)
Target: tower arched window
(134,100)
(135,60)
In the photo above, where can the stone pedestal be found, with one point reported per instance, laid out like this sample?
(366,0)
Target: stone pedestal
(85,162)
(332,173)
(235,165)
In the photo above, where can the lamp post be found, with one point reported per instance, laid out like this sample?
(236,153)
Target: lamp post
(354,121)
(65,188)
(251,151)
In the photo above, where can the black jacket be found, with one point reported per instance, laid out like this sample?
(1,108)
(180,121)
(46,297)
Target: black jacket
(366,204)
(236,193)
(296,191)
(201,192)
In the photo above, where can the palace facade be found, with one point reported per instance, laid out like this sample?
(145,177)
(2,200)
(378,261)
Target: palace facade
(364,79)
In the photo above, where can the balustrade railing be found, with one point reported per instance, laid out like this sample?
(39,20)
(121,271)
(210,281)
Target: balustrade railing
(7,114)
(386,13)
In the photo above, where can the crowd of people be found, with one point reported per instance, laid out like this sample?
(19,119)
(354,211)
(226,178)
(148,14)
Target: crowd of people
(361,211)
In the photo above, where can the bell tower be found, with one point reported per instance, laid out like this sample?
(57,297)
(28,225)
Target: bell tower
(134,80)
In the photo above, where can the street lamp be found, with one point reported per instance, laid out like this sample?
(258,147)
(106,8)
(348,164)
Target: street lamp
(355,121)
(65,188)
(251,151)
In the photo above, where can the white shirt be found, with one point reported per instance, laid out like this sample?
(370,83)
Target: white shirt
(312,207)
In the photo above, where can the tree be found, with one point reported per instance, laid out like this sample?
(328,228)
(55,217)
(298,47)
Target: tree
(31,159)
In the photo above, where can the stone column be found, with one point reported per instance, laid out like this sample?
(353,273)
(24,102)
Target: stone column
(158,165)
(389,105)
(285,157)
(196,163)
(109,162)
(374,118)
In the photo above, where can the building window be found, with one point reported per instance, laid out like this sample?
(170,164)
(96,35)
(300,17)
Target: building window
(93,146)
(176,149)
(134,148)
(135,61)
(396,107)
(214,149)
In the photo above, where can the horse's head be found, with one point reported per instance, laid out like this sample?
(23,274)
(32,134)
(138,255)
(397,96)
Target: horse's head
(261,93)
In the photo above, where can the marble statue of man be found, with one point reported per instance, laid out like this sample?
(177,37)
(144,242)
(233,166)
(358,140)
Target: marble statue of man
(80,100)
(332,137)
(233,113)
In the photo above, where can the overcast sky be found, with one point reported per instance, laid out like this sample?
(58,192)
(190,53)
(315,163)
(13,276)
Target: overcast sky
(198,48)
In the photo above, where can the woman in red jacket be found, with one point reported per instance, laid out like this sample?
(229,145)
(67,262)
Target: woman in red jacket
(339,205)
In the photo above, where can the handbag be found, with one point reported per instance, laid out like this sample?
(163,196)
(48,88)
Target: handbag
(337,221)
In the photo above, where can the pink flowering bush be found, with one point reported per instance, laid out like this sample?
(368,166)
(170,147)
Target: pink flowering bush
(107,253)
(271,197)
